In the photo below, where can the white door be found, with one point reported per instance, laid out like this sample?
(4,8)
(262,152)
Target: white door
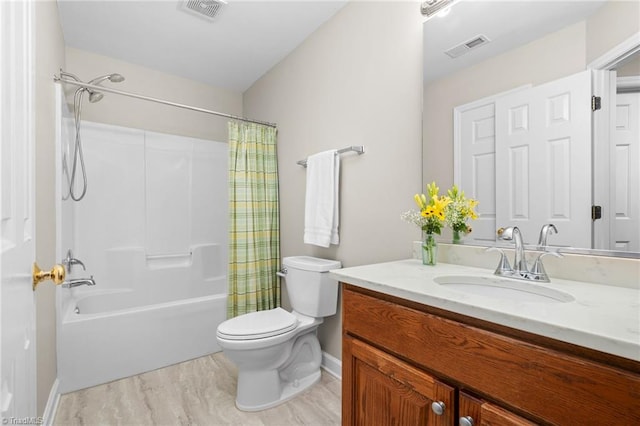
(17,308)
(474,142)
(626,174)
(543,160)
(477,164)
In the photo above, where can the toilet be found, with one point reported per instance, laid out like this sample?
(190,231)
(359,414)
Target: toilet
(277,352)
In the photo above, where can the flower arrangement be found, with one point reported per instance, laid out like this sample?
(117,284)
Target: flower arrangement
(458,211)
(430,219)
(435,211)
(431,216)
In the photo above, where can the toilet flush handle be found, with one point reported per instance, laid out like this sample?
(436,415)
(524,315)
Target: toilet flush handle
(282,272)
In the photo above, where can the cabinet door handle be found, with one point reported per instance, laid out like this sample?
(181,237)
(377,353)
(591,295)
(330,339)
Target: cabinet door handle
(465,421)
(438,407)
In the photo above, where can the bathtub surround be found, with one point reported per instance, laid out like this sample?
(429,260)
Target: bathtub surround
(201,391)
(153,233)
(254,219)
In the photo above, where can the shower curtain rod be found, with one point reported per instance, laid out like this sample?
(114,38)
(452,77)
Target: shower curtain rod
(160,101)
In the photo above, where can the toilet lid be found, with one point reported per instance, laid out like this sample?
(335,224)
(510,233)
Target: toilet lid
(258,325)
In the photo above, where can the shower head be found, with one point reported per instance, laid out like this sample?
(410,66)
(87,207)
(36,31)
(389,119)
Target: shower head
(96,96)
(114,78)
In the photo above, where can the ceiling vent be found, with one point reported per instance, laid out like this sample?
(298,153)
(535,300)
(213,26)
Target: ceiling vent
(467,46)
(207,9)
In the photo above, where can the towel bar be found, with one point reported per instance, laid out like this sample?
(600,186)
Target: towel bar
(354,148)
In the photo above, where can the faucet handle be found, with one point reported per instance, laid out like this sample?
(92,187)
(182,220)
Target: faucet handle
(538,268)
(503,265)
(69,261)
(74,261)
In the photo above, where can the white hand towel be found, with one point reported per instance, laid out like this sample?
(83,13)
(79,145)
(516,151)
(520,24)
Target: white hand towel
(321,213)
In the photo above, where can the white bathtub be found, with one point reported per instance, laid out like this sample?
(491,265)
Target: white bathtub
(108,334)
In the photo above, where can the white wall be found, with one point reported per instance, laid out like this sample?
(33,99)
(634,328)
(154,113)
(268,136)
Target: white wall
(612,24)
(50,57)
(139,114)
(631,68)
(356,81)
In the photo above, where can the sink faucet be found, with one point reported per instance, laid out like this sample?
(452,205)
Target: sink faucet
(544,233)
(78,282)
(512,233)
(520,270)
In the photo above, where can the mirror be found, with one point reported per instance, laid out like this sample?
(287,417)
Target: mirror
(483,49)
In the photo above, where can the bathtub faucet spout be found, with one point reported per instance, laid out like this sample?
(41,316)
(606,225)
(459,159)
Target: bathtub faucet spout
(78,282)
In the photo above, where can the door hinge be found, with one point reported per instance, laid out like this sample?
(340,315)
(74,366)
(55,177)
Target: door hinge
(596,103)
(596,212)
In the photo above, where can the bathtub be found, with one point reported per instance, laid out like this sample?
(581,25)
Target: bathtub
(166,314)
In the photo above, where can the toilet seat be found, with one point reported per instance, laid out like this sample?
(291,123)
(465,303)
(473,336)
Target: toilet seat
(258,325)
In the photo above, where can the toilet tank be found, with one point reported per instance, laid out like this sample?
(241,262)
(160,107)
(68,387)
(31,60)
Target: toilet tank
(311,291)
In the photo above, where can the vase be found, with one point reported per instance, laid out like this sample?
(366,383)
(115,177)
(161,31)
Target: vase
(457,239)
(429,249)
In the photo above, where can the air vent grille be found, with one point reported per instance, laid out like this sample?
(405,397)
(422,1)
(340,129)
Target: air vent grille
(208,9)
(467,46)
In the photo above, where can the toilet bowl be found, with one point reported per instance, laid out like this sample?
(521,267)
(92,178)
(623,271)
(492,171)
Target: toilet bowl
(277,353)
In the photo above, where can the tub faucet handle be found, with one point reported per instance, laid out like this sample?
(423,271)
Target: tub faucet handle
(69,261)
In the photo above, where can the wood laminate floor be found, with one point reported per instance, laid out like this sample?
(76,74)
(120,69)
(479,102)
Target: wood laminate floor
(197,392)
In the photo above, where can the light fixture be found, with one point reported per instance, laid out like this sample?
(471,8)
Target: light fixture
(431,8)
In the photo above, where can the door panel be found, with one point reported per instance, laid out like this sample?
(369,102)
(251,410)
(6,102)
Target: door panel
(17,312)
(477,166)
(543,160)
(626,174)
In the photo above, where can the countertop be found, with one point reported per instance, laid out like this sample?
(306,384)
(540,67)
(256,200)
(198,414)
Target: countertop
(602,317)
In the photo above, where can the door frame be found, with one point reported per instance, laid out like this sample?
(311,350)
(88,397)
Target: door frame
(604,85)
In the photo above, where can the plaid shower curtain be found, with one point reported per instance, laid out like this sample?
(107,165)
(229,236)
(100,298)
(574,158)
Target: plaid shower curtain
(254,212)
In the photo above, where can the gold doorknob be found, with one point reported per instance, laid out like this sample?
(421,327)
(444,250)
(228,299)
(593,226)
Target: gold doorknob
(56,274)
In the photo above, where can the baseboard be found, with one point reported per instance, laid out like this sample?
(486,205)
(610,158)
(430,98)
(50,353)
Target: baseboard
(51,408)
(332,365)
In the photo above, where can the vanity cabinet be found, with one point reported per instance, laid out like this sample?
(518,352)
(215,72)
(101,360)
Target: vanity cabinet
(388,391)
(405,363)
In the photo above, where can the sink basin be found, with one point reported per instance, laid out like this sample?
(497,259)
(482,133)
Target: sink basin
(500,288)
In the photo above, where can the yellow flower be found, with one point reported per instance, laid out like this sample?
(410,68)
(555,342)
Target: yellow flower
(432,189)
(428,211)
(421,201)
(439,204)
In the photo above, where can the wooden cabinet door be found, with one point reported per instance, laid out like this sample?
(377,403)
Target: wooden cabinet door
(379,389)
(475,412)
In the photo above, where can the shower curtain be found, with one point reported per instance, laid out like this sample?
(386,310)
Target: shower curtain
(254,210)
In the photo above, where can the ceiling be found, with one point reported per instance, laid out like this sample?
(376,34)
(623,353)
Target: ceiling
(244,41)
(508,24)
